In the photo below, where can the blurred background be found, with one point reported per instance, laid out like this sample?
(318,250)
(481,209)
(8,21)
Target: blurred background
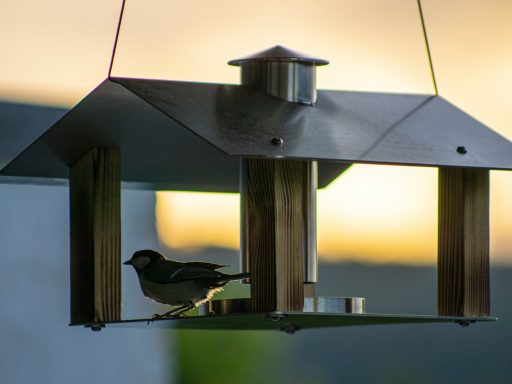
(377,226)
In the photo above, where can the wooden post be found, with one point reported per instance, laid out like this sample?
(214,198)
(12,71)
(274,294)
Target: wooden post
(463,242)
(95,198)
(275,236)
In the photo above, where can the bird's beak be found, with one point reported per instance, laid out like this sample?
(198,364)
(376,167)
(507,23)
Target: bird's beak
(128,262)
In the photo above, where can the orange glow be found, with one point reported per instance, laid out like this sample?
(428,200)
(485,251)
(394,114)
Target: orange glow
(195,220)
(379,214)
(364,45)
(375,214)
(501,217)
(371,213)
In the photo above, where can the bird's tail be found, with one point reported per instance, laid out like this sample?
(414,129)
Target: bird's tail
(238,276)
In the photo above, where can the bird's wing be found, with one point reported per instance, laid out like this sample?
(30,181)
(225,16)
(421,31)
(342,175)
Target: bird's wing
(174,272)
(162,272)
(192,272)
(205,265)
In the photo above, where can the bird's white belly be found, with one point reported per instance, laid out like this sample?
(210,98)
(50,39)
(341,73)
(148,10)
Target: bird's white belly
(183,292)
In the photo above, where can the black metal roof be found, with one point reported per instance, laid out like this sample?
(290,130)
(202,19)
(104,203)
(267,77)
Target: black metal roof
(189,136)
(21,124)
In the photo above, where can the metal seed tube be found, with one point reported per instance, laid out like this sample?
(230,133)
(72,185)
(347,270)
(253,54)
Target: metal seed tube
(294,81)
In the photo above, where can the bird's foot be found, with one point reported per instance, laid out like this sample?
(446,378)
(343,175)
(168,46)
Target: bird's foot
(157,316)
(174,314)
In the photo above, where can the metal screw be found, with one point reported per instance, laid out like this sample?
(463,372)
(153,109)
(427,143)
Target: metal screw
(462,149)
(465,323)
(277,141)
(290,328)
(276,316)
(95,327)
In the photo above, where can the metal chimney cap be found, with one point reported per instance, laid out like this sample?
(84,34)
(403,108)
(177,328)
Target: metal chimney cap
(279,53)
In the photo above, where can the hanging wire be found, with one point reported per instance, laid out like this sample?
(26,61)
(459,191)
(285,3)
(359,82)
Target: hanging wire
(428,49)
(115,41)
(422,25)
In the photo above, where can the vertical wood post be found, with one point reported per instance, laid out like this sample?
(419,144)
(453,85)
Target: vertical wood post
(95,199)
(463,242)
(275,233)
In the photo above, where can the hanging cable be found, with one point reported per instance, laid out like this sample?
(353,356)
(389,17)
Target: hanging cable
(115,41)
(428,49)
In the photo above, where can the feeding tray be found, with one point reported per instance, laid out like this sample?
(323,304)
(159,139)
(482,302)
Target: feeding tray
(289,321)
(319,312)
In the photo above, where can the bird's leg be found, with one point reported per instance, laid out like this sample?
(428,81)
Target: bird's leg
(178,311)
(175,312)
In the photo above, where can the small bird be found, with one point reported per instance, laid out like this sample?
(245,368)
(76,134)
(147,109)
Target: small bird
(186,285)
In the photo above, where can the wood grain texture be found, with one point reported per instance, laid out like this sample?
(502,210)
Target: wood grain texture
(95,220)
(289,230)
(275,234)
(463,242)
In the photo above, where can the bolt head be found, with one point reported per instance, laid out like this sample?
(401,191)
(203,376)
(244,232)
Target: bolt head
(462,150)
(277,141)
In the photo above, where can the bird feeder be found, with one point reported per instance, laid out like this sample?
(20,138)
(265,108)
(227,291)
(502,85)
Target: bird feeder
(274,139)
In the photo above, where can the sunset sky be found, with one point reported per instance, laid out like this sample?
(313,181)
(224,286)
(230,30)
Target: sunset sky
(55,52)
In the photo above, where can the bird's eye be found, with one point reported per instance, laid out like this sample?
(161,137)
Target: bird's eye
(141,262)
